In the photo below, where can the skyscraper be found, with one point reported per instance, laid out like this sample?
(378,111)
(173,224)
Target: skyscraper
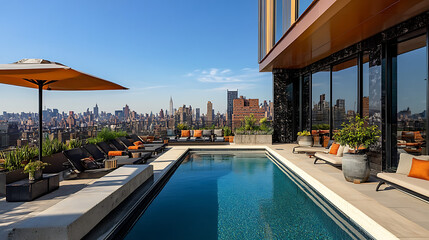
(197,114)
(96,111)
(171,106)
(231,95)
(209,113)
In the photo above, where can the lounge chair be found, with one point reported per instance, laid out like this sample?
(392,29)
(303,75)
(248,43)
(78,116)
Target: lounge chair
(128,143)
(218,136)
(75,157)
(334,159)
(301,149)
(400,180)
(197,135)
(207,135)
(184,136)
(125,160)
(121,147)
(171,137)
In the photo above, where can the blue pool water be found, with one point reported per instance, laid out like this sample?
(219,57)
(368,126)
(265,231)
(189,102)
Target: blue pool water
(233,195)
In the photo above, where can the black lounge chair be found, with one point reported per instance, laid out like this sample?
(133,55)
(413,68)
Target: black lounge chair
(122,147)
(134,138)
(101,156)
(75,156)
(156,147)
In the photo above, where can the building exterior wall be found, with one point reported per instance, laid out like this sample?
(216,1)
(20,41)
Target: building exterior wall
(244,107)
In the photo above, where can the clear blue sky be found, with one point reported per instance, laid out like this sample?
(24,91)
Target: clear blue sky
(192,50)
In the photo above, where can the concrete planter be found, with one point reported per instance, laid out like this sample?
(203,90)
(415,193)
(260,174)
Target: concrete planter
(10,177)
(55,163)
(355,167)
(305,141)
(253,139)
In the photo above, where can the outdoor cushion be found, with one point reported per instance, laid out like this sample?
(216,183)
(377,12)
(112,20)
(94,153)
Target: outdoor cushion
(334,148)
(115,153)
(186,133)
(329,158)
(419,169)
(198,133)
(218,132)
(414,184)
(405,161)
(134,147)
(340,151)
(89,163)
(138,143)
(207,133)
(170,132)
(309,149)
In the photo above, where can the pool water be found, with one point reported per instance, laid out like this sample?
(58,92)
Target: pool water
(234,195)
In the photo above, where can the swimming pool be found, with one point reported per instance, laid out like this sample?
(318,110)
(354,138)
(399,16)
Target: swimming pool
(239,195)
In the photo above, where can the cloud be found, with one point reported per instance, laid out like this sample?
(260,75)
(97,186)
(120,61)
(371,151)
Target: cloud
(215,75)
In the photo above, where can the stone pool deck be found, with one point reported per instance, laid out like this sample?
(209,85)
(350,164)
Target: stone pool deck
(404,216)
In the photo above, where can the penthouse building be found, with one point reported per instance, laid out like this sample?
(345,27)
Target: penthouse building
(333,59)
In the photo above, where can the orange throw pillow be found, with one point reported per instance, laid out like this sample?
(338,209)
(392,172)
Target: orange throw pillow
(133,147)
(186,133)
(137,143)
(419,169)
(115,153)
(334,148)
(198,133)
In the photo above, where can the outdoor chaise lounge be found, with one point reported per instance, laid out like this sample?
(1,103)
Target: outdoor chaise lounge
(75,157)
(334,159)
(218,136)
(400,179)
(131,146)
(121,147)
(99,155)
(301,149)
(207,135)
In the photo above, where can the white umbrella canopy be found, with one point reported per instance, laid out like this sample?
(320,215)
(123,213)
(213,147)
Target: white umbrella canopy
(48,75)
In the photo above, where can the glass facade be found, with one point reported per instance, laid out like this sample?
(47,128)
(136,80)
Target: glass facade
(411,95)
(275,18)
(320,100)
(344,92)
(303,5)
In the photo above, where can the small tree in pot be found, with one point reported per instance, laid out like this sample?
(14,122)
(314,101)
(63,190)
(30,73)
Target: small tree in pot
(358,135)
(34,170)
(305,139)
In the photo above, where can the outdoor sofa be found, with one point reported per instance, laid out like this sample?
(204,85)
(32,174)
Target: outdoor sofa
(400,179)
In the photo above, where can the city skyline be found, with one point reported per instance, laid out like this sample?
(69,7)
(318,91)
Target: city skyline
(133,50)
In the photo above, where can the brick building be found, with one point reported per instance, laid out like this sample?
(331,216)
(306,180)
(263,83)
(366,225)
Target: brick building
(244,107)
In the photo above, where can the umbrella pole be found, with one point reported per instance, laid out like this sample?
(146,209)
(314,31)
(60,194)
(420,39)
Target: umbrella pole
(40,84)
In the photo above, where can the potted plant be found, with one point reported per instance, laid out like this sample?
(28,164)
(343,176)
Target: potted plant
(252,133)
(305,139)
(34,170)
(227,133)
(359,136)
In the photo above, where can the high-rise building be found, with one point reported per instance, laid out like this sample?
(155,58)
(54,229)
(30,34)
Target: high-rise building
(197,114)
(244,107)
(95,111)
(171,106)
(230,96)
(126,111)
(209,113)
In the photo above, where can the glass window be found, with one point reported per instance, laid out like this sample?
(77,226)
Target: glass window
(320,100)
(365,86)
(303,5)
(282,11)
(411,91)
(344,92)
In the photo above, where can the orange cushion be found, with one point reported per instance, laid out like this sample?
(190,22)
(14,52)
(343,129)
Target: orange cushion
(419,169)
(134,147)
(115,153)
(198,133)
(186,133)
(334,148)
(137,143)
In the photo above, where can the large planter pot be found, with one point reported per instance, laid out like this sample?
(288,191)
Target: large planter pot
(55,163)
(355,167)
(305,141)
(10,177)
(253,139)
(36,175)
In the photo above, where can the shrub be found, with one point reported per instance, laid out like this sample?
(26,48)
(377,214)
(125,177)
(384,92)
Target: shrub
(357,132)
(14,159)
(182,126)
(51,147)
(304,133)
(74,143)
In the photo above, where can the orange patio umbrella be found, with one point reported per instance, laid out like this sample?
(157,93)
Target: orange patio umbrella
(46,75)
